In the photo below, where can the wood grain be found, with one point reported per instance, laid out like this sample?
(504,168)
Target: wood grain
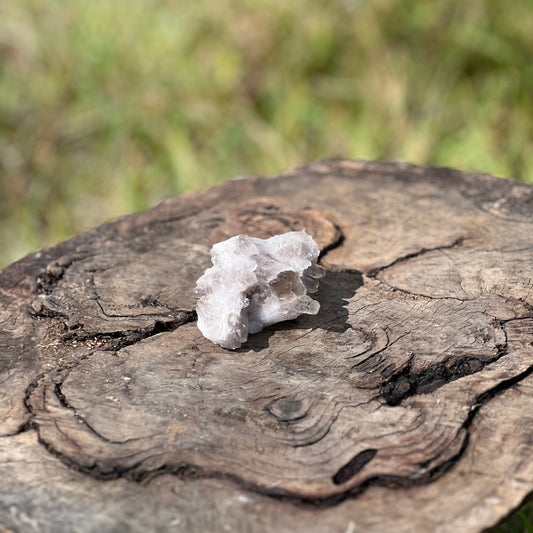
(402,405)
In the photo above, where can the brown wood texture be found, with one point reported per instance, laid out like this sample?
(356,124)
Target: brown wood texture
(404,405)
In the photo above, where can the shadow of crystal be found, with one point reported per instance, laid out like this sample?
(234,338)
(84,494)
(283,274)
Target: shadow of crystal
(334,291)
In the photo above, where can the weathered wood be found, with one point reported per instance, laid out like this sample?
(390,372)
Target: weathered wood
(403,405)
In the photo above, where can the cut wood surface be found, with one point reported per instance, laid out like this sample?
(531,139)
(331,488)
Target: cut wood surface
(404,405)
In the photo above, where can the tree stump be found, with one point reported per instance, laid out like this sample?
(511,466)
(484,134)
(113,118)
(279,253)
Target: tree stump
(402,406)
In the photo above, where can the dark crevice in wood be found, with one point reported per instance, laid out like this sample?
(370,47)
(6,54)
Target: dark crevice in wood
(29,391)
(58,391)
(375,271)
(479,402)
(66,404)
(354,466)
(117,340)
(336,243)
(405,383)
(26,426)
(496,391)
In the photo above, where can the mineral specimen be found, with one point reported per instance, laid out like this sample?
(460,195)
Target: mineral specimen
(254,283)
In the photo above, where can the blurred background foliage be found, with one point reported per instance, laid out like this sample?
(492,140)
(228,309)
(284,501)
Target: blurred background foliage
(108,106)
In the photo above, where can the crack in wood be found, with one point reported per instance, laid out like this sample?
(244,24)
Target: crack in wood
(405,383)
(373,273)
(334,244)
(117,340)
(67,405)
(354,466)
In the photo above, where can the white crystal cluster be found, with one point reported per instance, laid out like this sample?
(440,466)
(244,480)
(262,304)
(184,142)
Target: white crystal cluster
(254,283)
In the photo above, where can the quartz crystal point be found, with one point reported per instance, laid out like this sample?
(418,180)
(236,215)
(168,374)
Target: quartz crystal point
(254,283)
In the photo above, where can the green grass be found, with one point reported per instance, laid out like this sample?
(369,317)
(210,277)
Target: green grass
(107,106)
